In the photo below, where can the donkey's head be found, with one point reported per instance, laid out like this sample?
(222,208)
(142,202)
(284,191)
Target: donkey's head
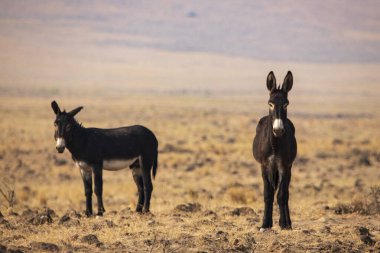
(63,123)
(278,102)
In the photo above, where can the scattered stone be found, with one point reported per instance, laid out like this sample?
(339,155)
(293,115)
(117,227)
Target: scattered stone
(5,223)
(44,246)
(189,207)
(364,161)
(64,219)
(59,161)
(90,239)
(110,224)
(14,250)
(326,229)
(365,236)
(68,221)
(42,218)
(243,211)
(152,222)
(337,142)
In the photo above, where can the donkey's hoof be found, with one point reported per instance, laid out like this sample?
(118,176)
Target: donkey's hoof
(99,214)
(139,209)
(88,213)
(286,228)
(262,230)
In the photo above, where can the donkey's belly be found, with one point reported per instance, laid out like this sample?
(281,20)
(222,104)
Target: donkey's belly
(118,164)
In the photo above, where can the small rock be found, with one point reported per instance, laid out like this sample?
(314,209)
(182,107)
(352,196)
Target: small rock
(90,239)
(189,207)
(243,211)
(364,161)
(45,246)
(64,219)
(14,250)
(367,240)
(365,236)
(3,249)
(110,223)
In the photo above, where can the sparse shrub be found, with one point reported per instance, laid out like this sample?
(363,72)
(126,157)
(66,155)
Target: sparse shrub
(368,205)
(7,191)
(238,196)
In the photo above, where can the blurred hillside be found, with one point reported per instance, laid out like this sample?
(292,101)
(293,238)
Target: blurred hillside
(52,47)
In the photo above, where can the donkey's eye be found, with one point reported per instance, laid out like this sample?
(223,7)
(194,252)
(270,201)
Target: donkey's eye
(271,105)
(285,106)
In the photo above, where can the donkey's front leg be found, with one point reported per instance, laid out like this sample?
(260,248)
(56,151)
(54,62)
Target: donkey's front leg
(98,179)
(87,182)
(283,198)
(268,199)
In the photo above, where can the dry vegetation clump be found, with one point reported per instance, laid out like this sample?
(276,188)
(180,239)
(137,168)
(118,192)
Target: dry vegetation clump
(367,205)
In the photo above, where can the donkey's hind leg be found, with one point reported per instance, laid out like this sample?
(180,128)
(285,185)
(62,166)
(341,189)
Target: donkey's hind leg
(147,181)
(137,177)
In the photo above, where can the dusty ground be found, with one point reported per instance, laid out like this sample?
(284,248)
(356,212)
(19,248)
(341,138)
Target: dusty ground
(205,159)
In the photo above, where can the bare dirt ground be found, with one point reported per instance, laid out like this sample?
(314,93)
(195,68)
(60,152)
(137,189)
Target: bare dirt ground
(208,192)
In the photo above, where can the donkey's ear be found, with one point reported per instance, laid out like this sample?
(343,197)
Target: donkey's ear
(75,111)
(55,107)
(288,82)
(271,81)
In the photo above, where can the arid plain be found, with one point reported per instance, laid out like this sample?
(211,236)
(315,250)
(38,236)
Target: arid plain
(208,192)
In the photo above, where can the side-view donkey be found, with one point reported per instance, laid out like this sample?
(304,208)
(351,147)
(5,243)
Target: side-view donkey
(275,148)
(95,149)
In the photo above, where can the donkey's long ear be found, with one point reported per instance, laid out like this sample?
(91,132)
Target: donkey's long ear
(271,81)
(288,82)
(55,107)
(75,111)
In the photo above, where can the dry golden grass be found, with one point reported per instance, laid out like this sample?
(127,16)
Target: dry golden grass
(205,157)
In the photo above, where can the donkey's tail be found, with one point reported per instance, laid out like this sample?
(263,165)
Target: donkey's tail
(155,164)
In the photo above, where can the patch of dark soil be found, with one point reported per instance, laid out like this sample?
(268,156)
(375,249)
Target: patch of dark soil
(3,248)
(337,141)
(337,246)
(189,207)
(44,246)
(5,223)
(170,148)
(59,161)
(246,243)
(243,211)
(13,249)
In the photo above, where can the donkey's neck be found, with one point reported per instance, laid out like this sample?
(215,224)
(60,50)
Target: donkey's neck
(77,141)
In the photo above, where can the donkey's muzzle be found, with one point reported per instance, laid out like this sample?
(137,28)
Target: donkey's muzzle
(60,145)
(60,149)
(278,128)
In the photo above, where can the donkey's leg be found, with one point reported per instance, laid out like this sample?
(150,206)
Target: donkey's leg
(147,181)
(98,179)
(87,182)
(137,177)
(283,198)
(268,199)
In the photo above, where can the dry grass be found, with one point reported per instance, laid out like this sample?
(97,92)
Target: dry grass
(205,158)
